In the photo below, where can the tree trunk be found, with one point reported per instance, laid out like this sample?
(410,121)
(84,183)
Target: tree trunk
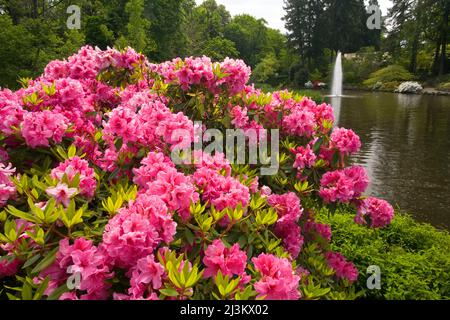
(414,50)
(436,60)
(34,12)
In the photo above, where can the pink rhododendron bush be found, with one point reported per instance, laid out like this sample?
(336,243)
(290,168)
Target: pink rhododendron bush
(93,204)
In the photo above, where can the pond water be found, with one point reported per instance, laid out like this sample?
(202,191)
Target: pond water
(406,149)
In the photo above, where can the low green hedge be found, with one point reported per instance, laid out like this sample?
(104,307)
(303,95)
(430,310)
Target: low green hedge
(414,258)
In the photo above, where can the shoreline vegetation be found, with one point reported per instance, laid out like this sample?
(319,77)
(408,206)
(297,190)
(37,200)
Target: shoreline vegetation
(412,256)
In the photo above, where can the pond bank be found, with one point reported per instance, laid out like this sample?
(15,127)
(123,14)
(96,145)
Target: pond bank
(425,91)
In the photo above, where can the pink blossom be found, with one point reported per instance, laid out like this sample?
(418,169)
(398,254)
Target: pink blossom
(240,117)
(9,268)
(11,112)
(72,167)
(38,128)
(344,269)
(155,210)
(374,212)
(7,188)
(62,193)
(84,258)
(145,278)
(128,237)
(343,185)
(150,167)
(222,192)
(304,157)
(176,190)
(229,261)
(300,122)
(345,140)
(278,280)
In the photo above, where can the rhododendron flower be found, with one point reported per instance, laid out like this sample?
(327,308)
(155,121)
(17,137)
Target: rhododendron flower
(222,192)
(343,185)
(7,188)
(240,117)
(374,212)
(345,140)
(84,258)
(39,127)
(74,166)
(230,261)
(344,269)
(150,167)
(128,237)
(155,210)
(62,193)
(278,280)
(11,112)
(9,268)
(299,123)
(289,212)
(304,157)
(218,162)
(145,278)
(176,190)
(317,229)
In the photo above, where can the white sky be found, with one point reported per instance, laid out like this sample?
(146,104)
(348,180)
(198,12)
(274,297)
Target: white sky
(271,10)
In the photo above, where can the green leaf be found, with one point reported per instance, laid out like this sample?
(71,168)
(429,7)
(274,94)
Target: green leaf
(31,261)
(20,214)
(189,236)
(169,292)
(47,261)
(26,291)
(41,289)
(72,151)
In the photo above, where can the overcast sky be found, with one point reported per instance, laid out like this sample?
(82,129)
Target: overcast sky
(271,10)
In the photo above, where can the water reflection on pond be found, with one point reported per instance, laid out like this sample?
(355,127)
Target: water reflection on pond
(406,149)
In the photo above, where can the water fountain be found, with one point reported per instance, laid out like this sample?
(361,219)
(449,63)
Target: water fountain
(336,88)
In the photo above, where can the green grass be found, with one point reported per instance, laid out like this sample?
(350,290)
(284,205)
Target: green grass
(414,258)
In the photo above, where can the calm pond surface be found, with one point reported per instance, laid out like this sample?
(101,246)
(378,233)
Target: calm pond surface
(406,149)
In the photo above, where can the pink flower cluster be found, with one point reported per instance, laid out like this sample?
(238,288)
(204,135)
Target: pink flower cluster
(84,259)
(176,190)
(304,157)
(146,277)
(278,281)
(344,269)
(73,166)
(11,112)
(314,229)
(374,212)
(221,191)
(229,261)
(7,188)
(345,140)
(344,185)
(289,212)
(201,72)
(150,167)
(136,231)
(41,128)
